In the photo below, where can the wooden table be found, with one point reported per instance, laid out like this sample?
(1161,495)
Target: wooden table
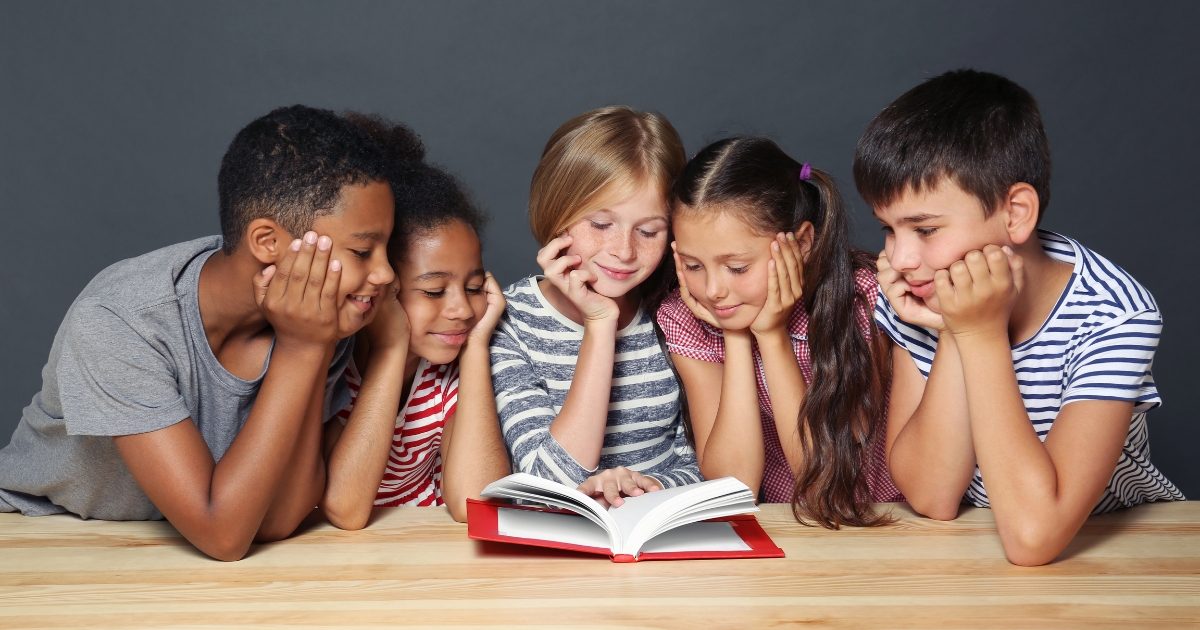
(1138,568)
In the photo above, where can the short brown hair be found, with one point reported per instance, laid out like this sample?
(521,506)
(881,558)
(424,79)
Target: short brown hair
(979,130)
(606,151)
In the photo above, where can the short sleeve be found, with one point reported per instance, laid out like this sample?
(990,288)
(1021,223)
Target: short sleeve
(113,380)
(920,342)
(338,392)
(686,335)
(1114,363)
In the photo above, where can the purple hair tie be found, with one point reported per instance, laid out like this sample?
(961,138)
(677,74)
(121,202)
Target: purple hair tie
(805,172)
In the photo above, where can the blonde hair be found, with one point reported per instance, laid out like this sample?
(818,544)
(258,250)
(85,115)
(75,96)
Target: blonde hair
(598,155)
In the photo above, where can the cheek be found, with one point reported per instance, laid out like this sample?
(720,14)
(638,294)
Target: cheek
(585,242)
(478,306)
(751,286)
(354,275)
(421,312)
(651,251)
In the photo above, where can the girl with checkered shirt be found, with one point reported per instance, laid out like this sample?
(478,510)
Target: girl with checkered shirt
(770,330)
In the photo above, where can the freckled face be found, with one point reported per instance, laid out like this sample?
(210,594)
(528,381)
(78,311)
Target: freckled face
(441,290)
(623,242)
(932,230)
(724,265)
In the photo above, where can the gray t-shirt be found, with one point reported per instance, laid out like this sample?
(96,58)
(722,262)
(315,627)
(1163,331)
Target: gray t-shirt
(130,357)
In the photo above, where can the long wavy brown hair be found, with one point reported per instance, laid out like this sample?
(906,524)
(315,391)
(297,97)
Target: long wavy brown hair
(844,412)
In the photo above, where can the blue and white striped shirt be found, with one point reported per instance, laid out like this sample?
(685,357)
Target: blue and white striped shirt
(1097,344)
(534,350)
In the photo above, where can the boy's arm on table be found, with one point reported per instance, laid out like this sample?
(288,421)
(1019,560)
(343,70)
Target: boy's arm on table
(930,453)
(220,506)
(357,453)
(1041,493)
(303,482)
(473,452)
(929,450)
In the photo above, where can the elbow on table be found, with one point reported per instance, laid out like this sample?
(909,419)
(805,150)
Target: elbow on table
(936,508)
(226,548)
(1032,544)
(458,510)
(350,518)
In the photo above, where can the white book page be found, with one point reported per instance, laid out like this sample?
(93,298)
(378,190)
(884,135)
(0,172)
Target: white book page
(561,528)
(697,537)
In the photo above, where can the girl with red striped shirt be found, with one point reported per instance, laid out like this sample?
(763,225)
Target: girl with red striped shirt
(424,358)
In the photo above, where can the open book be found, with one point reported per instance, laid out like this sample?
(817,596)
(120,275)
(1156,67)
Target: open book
(703,520)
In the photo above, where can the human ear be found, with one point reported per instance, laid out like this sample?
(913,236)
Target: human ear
(1021,209)
(266,240)
(805,234)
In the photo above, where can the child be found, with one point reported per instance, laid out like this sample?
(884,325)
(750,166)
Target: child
(771,332)
(191,383)
(585,393)
(1022,357)
(425,354)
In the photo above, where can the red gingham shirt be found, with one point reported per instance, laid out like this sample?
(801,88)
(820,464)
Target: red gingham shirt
(692,338)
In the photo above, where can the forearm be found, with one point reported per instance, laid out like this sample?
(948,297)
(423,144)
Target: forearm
(245,481)
(787,390)
(1022,481)
(473,452)
(303,481)
(579,426)
(358,458)
(735,444)
(932,460)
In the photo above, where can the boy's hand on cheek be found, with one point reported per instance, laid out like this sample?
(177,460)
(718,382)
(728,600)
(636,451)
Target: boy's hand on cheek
(977,293)
(389,330)
(908,307)
(298,296)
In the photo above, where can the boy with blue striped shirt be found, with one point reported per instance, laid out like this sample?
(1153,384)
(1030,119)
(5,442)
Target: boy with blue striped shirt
(1021,357)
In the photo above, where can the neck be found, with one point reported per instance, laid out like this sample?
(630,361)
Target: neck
(1045,280)
(228,306)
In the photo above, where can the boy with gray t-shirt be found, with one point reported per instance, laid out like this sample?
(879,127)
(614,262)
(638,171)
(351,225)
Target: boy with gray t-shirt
(192,382)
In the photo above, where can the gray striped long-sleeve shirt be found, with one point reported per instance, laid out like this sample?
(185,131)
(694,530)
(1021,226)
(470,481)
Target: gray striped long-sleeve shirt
(534,350)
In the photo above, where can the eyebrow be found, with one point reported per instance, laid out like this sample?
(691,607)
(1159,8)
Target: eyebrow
(369,235)
(918,218)
(721,258)
(433,275)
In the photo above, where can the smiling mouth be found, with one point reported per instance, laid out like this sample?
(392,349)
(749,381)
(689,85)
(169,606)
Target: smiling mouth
(452,338)
(725,311)
(363,303)
(616,274)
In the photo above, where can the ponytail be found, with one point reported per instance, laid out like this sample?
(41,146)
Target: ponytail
(844,410)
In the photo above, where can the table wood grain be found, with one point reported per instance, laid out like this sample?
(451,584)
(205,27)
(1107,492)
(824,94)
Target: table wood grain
(415,567)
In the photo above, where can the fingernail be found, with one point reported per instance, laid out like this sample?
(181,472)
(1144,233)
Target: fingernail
(296,245)
(269,270)
(324,243)
(335,265)
(791,237)
(775,245)
(310,238)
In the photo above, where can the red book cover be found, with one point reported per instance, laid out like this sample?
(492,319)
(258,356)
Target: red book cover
(483,524)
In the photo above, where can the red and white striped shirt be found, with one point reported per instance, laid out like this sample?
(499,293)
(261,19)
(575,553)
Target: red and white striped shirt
(692,338)
(414,467)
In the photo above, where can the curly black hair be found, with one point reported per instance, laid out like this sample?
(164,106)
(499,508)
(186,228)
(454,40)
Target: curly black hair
(290,166)
(427,196)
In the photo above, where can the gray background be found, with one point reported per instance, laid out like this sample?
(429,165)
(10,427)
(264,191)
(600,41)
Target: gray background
(114,117)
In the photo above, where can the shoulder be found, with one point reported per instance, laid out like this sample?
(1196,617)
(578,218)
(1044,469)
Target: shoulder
(1106,285)
(145,281)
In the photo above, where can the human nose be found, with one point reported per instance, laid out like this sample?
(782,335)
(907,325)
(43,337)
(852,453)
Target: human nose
(714,290)
(621,245)
(902,255)
(457,307)
(381,273)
